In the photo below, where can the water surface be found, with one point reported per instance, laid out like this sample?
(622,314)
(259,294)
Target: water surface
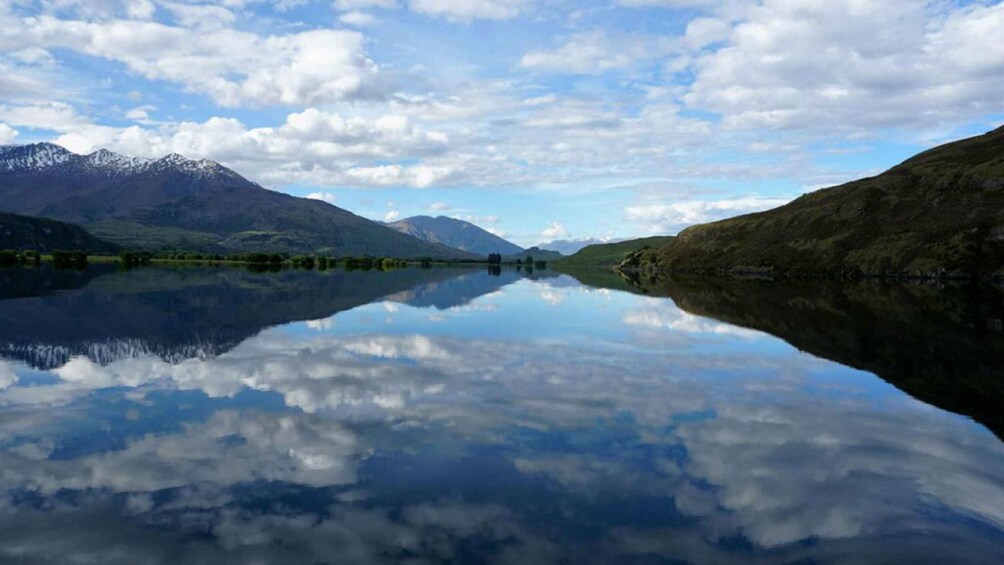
(214,415)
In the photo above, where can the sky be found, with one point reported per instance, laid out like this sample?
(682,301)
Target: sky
(536,119)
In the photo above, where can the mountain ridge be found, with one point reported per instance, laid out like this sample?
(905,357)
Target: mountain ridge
(178,203)
(455,233)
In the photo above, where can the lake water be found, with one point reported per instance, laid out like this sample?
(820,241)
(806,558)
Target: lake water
(215,415)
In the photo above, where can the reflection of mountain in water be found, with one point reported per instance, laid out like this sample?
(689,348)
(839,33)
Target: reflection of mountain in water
(182,313)
(944,346)
(460,290)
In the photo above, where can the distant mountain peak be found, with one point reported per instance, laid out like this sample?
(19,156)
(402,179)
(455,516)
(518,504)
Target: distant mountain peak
(200,166)
(42,156)
(455,233)
(103,158)
(33,156)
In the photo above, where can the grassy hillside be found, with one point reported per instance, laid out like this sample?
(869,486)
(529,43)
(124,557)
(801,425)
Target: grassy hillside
(611,254)
(940,213)
(25,232)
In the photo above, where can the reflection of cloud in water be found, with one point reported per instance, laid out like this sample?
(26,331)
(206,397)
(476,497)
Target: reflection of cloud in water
(230,448)
(816,468)
(662,314)
(769,459)
(552,296)
(324,324)
(7,375)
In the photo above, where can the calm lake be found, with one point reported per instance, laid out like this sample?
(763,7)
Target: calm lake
(216,415)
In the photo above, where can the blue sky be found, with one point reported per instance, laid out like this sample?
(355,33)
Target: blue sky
(536,119)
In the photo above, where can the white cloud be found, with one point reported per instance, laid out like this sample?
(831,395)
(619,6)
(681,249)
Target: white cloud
(417,176)
(7,133)
(554,231)
(359,19)
(203,16)
(854,65)
(57,116)
(666,3)
(669,218)
(391,216)
(234,68)
(704,31)
(439,206)
(467,10)
(595,52)
(489,219)
(312,146)
(352,5)
(322,196)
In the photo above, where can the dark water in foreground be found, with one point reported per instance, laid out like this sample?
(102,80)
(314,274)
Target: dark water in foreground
(213,415)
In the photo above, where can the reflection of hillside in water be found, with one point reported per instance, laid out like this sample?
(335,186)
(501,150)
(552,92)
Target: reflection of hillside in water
(184,313)
(944,346)
(457,449)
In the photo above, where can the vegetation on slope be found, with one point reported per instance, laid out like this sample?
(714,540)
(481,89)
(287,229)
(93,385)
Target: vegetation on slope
(39,234)
(940,213)
(611,254)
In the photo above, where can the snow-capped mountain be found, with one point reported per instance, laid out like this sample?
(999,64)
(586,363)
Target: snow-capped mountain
(179,203)
(46,157)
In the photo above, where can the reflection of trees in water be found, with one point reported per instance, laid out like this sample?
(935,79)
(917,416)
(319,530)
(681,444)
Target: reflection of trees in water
(189,312)
(941,344)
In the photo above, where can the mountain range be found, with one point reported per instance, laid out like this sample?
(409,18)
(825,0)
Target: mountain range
(938,214)
(179,203)
(455,233)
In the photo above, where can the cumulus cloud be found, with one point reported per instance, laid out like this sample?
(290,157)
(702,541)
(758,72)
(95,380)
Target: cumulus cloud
(553,231)
(314,146)
(7,133)
(853,65)
(234,68)
(391,216)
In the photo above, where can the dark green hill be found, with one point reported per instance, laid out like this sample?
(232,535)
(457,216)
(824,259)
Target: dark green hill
(25,232)
(536,253)
(611,254)
(940,213)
